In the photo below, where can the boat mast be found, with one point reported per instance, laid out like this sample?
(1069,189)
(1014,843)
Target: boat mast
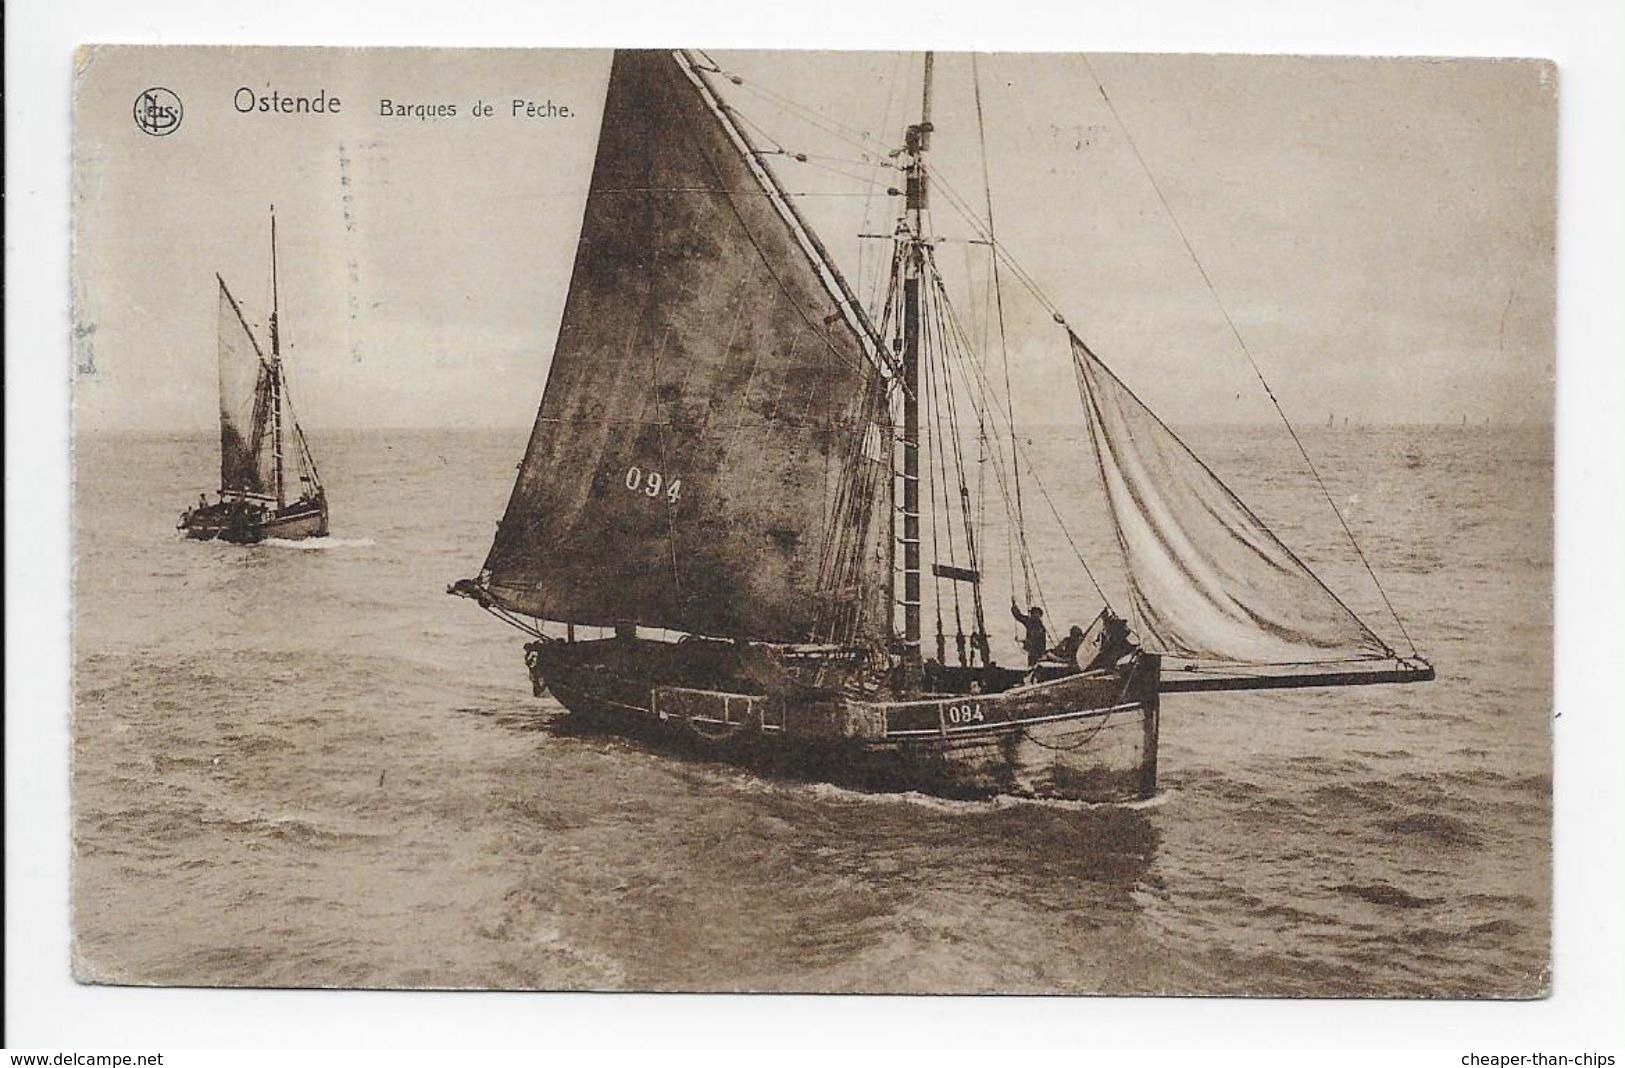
(276,376)
(916,140)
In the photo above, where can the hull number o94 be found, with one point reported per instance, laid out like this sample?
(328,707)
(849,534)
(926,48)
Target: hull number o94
(653,484)
(962,714)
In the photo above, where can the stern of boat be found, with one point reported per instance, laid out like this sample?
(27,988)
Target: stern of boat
(305,518)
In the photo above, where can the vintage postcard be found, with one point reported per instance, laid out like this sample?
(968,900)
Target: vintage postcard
(813,521)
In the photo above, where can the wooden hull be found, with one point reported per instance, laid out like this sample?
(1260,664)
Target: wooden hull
(293,524)
(244,524)
(1086,737)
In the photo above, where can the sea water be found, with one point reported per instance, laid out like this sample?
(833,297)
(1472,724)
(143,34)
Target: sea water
(301,763)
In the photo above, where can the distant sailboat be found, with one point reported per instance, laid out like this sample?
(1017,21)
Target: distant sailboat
(257,424)
(731,448)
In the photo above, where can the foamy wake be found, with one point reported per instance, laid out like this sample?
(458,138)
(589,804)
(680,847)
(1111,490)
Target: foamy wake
(828,791)
(744,782)
(319,543)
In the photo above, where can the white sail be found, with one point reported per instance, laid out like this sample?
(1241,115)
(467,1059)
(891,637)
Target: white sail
(1208,580)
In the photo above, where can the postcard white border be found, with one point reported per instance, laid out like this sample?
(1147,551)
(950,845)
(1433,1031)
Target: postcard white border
(45,1008)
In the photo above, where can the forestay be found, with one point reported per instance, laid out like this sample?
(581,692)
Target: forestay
(246,463)
(1207,579)
(707,392)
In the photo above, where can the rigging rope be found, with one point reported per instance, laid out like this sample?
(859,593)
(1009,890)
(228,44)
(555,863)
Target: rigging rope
(869,205)
(936,348)
(961,206)
(860,139)
(841,571)
(725,192)
(998,296)
(932,430)
(1245,351)
(307,462)
(987,392)
(972,559)
(1017,527)
(810,158)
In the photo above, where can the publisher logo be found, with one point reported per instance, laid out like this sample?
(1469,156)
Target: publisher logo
(157,112)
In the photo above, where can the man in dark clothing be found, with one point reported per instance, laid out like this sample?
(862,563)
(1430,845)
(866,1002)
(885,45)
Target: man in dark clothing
(1114,642)
(1067,651)
(533,655)
(1035,641)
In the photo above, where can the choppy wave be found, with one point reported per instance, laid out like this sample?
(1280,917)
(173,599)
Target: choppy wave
(1381,893)
(314,768)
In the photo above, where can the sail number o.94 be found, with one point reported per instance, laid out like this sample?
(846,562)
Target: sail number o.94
(960,714)
(653,484)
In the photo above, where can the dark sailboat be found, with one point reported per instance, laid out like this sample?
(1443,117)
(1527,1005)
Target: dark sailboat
(732,449)
(257,429)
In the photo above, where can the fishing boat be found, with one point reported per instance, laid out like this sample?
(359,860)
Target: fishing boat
(744,479)
(257,427)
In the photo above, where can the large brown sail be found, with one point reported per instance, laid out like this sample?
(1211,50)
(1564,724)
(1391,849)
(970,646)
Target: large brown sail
(708,398)
(247,465)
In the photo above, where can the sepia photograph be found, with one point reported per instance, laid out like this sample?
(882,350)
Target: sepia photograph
(889,522)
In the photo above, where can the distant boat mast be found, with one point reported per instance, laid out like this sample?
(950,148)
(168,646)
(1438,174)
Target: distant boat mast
(276,377)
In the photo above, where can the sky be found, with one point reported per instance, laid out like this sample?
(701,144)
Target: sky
(1379,231)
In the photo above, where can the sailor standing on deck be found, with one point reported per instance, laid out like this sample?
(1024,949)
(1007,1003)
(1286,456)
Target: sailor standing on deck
(1035,641)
